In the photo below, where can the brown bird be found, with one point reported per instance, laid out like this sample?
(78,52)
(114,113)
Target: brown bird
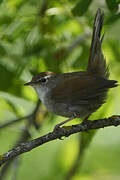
(77,94)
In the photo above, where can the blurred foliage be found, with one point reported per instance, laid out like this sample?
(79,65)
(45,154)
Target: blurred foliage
(81,7)
(112,5)
(44,35)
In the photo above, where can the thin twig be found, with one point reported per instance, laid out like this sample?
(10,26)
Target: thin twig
(8,123)
(58,134)
(79,40)
(25,135)
(77,162)
(84,141)
(31,115)
(23,138)
(16,165)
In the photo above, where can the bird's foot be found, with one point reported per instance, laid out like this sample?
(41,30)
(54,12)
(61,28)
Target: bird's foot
(57,127)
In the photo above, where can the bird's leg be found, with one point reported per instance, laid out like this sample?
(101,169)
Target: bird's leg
(63,122)
(85,120)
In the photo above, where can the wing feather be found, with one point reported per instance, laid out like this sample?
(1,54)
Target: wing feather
(80,90)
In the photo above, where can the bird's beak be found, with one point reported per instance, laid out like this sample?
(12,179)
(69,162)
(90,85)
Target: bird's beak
(32,83)
(29,83)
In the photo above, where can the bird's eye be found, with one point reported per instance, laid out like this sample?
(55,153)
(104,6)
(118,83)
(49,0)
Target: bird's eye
(43,80)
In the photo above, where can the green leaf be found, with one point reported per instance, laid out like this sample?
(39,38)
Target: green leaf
(81,7)
(112,5)
(6,78)
(19,103)
(118,1)
(1,1)
(2,50)
(112,19)
(9,81)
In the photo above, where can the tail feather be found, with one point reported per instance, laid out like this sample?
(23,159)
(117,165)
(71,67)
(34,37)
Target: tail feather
(97,62)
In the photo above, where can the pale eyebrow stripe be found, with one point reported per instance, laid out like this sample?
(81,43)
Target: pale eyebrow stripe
(48,76)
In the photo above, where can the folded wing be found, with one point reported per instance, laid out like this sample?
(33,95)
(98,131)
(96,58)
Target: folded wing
(81,90)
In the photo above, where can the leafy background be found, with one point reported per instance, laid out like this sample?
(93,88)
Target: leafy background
(45,35)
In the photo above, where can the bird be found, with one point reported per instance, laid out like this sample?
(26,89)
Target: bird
(77,94)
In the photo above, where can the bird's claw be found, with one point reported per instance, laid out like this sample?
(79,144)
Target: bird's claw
(56,128)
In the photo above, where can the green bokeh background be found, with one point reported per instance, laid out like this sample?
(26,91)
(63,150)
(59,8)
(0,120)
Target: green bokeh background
(39,35)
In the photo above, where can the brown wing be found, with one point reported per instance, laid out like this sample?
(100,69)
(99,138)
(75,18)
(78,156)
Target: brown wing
(80,89)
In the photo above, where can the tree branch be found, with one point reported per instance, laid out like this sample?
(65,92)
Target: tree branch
(58,134)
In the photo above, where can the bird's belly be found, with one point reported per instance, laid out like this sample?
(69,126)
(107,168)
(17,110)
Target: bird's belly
(67,110)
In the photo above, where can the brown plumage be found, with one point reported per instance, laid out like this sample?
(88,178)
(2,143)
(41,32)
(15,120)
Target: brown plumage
(80,93)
